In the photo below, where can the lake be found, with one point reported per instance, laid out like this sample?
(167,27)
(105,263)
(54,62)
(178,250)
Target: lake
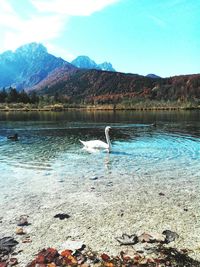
(49,142)
(48,170)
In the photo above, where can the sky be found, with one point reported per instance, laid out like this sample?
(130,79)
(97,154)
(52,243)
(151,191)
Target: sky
(136,36)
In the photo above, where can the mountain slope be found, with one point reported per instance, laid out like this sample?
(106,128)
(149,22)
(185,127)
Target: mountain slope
(84,62)
(108,87)
(28,65)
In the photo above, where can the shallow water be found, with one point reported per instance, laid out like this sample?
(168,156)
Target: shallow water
(49,146)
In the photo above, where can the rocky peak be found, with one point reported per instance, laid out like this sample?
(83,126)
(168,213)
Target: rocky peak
(84,62)
(106,66)
(28,65)
(32,48)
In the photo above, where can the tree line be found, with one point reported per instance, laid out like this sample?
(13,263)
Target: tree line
(11,95)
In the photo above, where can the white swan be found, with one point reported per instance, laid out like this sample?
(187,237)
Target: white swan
(98,144)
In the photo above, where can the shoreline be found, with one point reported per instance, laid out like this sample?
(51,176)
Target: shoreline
(100,211)
(97,108)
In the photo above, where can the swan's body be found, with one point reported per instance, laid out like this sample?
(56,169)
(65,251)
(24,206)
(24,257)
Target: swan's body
(98,144)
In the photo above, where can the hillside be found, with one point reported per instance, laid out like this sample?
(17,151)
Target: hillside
(95,86)
(32,68)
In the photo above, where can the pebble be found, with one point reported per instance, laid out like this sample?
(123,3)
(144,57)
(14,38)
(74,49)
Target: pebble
(62,216)
(23,221)
(109,184)
(94,178)
(20,231)
(170,236)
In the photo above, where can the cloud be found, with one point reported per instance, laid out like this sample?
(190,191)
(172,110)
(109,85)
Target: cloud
(44,23)
(59,51)
(33,30)
(72,7)
(16,30)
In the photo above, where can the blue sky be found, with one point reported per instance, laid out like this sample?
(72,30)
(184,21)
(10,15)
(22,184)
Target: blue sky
(136,36)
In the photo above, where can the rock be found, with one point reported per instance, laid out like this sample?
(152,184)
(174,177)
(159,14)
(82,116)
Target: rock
(169,236)
(94,178)
(23,221)
(20,231)
(109,184)
(62,216)
(121,213)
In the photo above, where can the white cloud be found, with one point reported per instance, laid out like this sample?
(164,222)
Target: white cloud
(16,30)
(36,29)
(48,19)
(59,51)
(72,7)
(5,7)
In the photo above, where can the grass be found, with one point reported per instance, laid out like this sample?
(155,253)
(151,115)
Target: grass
(124,105)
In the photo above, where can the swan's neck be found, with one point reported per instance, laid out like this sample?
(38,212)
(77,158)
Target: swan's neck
(108,140)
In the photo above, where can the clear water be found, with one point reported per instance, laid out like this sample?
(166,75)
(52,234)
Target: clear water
(49,145)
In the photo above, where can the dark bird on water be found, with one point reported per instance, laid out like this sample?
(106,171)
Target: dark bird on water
(13,137)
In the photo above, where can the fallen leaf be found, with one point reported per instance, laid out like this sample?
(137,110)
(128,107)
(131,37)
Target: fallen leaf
(105,257)
(145,237)
(127,239)
(66,253)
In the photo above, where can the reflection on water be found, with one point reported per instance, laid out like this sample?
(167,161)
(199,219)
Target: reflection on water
(49,143)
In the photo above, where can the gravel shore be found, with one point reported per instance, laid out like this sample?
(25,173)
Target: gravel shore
(101,208)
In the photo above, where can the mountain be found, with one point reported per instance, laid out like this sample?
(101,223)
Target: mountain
(28,65)
(31,68)
(96,86)
(84,62)
(151,75)
(106,66)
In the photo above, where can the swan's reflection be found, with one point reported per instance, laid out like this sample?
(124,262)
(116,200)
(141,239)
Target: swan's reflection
(91,150)
(107,160)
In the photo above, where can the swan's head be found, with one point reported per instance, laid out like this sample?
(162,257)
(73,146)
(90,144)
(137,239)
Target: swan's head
(107,128)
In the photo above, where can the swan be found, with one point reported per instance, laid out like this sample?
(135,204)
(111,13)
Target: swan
(98,144)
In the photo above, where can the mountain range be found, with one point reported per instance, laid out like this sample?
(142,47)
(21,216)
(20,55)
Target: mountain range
(84,62)
(31,63)
(32,68)
(28,65)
